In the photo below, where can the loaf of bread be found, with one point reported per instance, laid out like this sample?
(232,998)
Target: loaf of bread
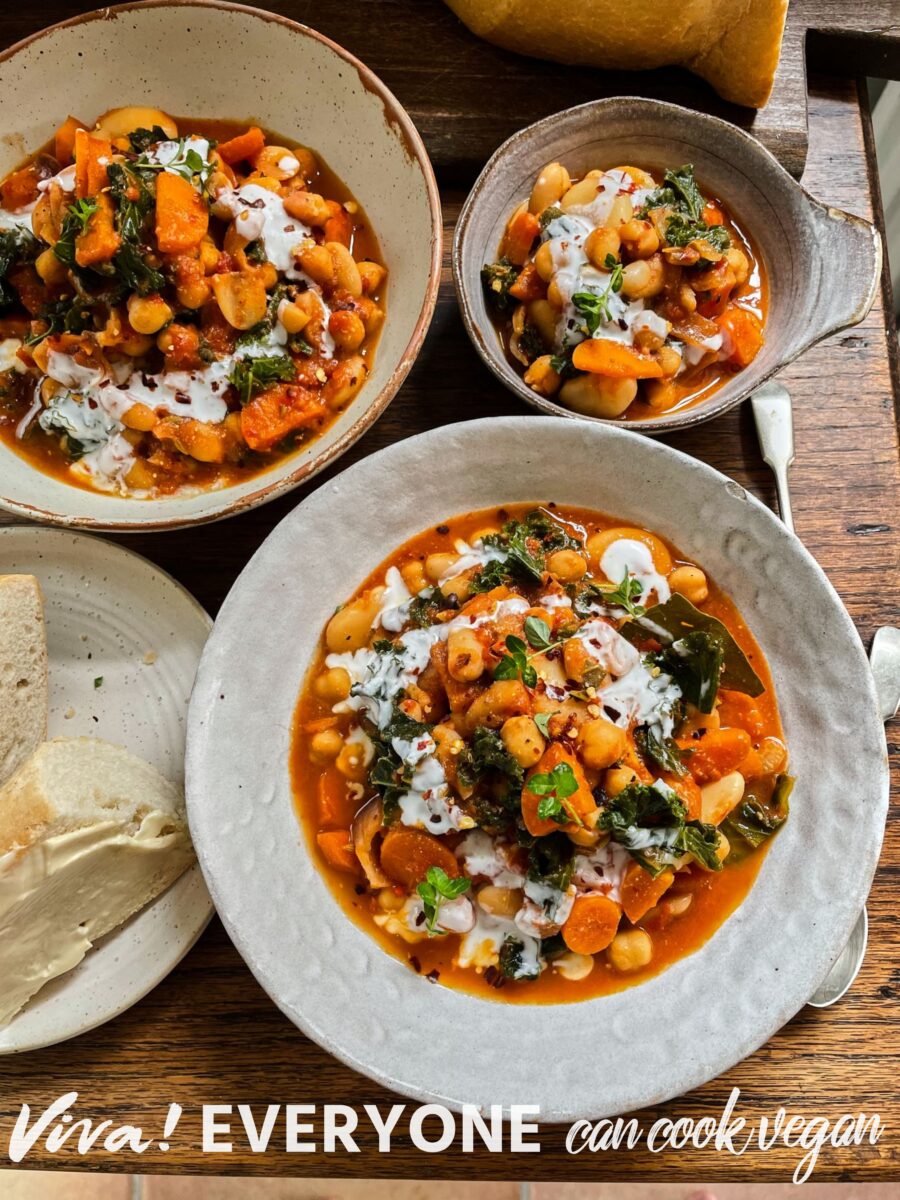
(23,671)
(89,835)
(733,44)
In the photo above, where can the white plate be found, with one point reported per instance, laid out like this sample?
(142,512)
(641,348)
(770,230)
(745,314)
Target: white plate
(113,616)
(602,1056)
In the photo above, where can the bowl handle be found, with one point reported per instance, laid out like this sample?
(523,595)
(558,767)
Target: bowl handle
(850,250)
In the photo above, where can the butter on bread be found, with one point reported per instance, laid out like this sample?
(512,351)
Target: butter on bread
(23,671)
(89,835)
(733,44)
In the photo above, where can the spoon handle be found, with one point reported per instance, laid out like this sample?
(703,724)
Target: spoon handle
(884,658)
(775,430)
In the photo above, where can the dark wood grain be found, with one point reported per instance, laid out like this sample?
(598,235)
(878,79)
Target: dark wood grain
(209,1034)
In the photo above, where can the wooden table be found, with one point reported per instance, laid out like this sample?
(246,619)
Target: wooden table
(208,1033)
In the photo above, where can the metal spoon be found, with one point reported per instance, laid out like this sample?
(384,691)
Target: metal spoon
(775,429)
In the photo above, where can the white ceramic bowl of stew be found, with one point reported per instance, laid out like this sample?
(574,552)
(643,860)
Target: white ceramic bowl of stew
(229,62)
(819,265)
(598,1056)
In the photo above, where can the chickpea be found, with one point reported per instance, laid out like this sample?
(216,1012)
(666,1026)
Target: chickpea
(346,271)
(543,316)
(717,799)
(553,181)
(438,566)
(318,263)
(630,950)
(677,906)
(555,297)
(148,314)
(602,244)
(465,655)
(660,394)
(140,476)
(209,252)
(669,359)
(332,685)
(370,314)
(574,967)
(542,378)
(50,269)
(346,381)
(350,626)
(325,745)
(523,740)
(598,395)
(639,238)
(390,901)
(500,901)
(739,263)
(600,743)
(372,274)
(643,278)
(689,582)
(347,329)
(617,779)
(276,162)
(413,574)
(567,565)
(351,762)
(308,207)
(139,416)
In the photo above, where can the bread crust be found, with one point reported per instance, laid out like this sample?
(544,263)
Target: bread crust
(733,44)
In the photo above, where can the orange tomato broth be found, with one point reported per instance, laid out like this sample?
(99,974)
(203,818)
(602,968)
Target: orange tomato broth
(699,383)
(716,895)
(42,449)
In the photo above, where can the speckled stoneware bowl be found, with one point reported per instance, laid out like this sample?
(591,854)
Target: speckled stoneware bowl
(702,1014)
(212,59)
(822,264)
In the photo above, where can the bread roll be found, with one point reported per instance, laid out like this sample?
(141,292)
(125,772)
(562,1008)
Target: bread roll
(23,671)
(733,44)
(89,835)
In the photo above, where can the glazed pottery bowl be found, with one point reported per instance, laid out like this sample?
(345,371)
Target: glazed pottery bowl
(367,1007)
(822,264)
(181,56)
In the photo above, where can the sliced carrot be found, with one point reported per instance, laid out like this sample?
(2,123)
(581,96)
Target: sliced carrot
(64,141)
(712,214)
(91,157)
(640,890)
(739,712)
(31,288)
(332,799)
(745,334)
(529,285)
(687,790)
(339,226)
(244,146)
(276,412)
(20,188)
(717,753)
(601,356)
(337,848)
(182,214)
(580,804)
(99,241)
(519,238)
(592,924)
(406,855)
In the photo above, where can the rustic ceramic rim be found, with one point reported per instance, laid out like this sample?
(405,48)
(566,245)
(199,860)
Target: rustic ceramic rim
(705,410)
(395,114)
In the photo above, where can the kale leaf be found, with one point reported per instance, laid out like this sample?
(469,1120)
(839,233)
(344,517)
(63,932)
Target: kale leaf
(512,962)
(251,375)
(654,748)
(695,663)
(485,754)
(142,139)
(16,246)
(496,279)
(388,773)
(754,821)
(551,861)
(650,822)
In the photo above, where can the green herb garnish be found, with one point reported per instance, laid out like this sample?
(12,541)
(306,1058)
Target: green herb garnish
(436,888)
(515,663)
(554,787)
(594,306)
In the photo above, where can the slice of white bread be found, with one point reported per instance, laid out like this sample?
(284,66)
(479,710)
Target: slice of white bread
(733,44)
(23,671)
(89,835)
